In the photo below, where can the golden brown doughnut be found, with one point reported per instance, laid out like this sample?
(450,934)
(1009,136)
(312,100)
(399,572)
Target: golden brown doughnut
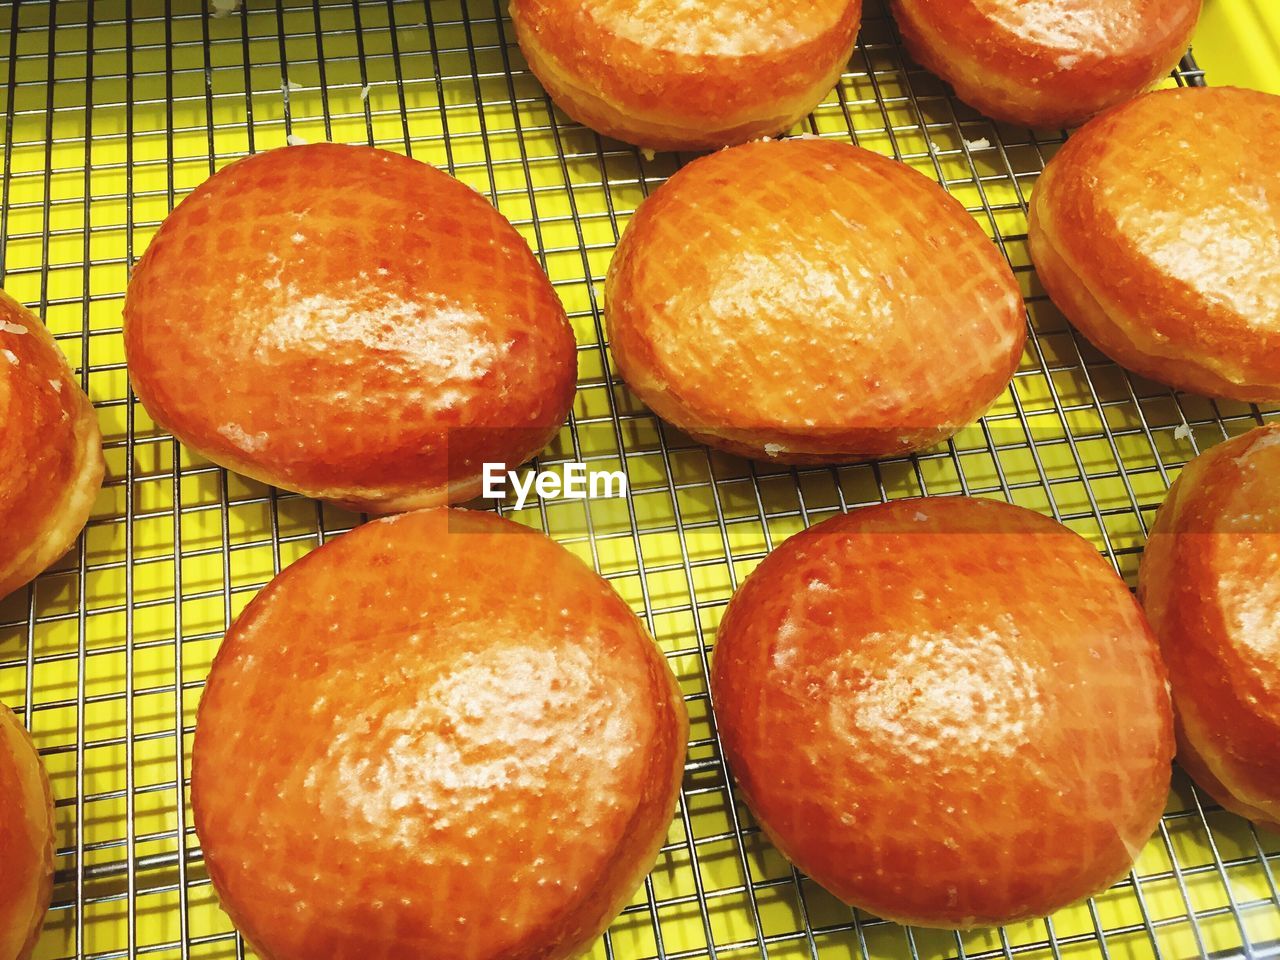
(438,736)
(1047,63)
(26,840)
(807,301)
(50,449)
(1154,229)
(351,324)
(1210,581)
(687,74)
(948,712)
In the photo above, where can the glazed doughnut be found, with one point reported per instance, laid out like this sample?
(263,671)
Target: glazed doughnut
(438,736)
(1154,230)
(1210,581)
(50,449)
(687,74)
(350,324)
(26,840)
(1047,63)
(808,301)
(948,712)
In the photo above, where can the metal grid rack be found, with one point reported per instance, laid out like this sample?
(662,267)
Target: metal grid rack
(113,110)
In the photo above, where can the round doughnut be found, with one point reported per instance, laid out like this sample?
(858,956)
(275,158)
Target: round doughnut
(1210,582)
(687,74)
(1154,230)
(350,324)
(438,736)
(1047,63)
(808,301)
(948,712)
(26,840)
(50,449)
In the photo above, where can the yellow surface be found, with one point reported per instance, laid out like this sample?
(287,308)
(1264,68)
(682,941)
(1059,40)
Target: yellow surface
(1238,43)
(176,547)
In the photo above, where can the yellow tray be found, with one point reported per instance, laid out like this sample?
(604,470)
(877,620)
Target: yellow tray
(113,110)
(1238,43)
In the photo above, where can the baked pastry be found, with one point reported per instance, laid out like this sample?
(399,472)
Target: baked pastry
(1154,230)
(351,324)
(687,74)
(809,301)
(1047,63)
(26,840)
(50,449)
(438,736)
(948,712)
(1210,582)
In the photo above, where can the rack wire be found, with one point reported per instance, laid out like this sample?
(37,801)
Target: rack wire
(114,110)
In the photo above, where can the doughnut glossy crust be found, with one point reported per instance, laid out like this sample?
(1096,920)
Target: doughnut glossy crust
(687,74)
(1156,230)
(26,840)
(1047,63)
(1210,581)
(948,712)
(351,324)
(808,301)
(438,736)
(50,449)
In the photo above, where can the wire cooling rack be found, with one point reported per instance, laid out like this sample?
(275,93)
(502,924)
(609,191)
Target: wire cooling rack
(114,110)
